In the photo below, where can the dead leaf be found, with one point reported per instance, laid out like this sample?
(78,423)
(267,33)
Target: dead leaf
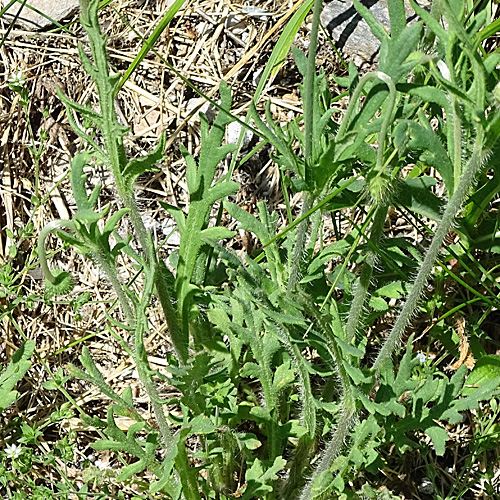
(466,356)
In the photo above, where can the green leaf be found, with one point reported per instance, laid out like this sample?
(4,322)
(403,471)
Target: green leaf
(486,369)
(17,367)
(283,376)
(423,138)
(416,195)
(250,370)
(259,475)
(378,304)
(112,223)
(249,441)
(282,47)
(148,44)
(166,481)
(138,166)
(78,181)
(248,221)
(375,27)
(397,17)
(176,213)
(394,290)
(217,233)
(439,437)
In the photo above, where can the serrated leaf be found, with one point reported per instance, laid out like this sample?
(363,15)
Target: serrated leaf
(248,221)
(394,290)
(439,436)
(248,440)
(349,349)
(167,465)
(356,374)
(250,370)
(378,304)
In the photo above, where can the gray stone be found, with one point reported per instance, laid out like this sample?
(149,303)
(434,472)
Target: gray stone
(351,33)
(28,19)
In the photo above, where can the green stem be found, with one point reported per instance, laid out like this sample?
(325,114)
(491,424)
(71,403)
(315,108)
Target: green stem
(300,242)
(310,80)
(348,412)
(363,282)
(346,420)
(353,102)
(449,215)
(161,419)
(308,148)
(111,275)
(113,134)
(113,137)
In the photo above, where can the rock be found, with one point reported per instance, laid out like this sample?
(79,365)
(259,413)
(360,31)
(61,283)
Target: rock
(350,31)
(30,20)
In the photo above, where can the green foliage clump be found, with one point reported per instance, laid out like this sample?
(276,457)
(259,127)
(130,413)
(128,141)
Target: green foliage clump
(278,380)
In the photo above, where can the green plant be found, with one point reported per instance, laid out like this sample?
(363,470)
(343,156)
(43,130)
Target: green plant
(247,389)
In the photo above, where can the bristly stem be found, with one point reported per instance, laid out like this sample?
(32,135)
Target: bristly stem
(113,134)
(354,319)
(449,215)
(300,243)
(348,412)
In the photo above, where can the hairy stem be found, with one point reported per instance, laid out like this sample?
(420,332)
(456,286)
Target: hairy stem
(449,215)
(111,275)
(348,412)
(310,80)
(300,243)
(363,282)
